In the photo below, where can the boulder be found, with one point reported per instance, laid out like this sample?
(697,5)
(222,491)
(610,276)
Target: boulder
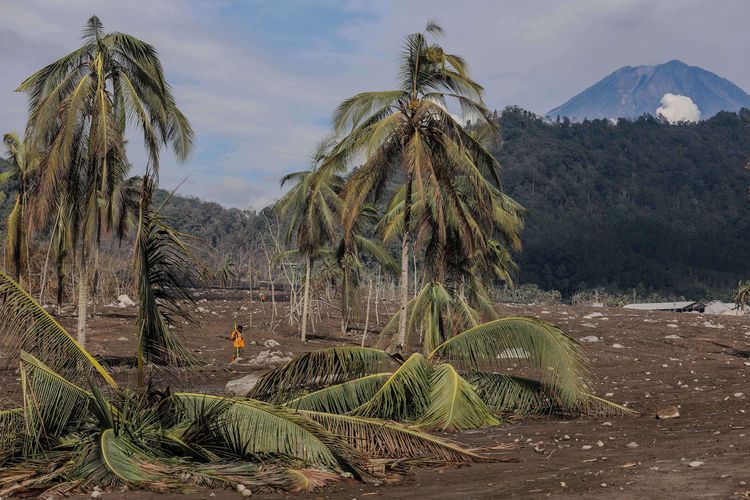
(125,301)
(242,386)
(668,412)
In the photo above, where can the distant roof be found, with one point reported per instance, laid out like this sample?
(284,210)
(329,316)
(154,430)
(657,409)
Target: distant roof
(663,306)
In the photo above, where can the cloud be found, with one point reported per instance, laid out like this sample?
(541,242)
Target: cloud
(678,108)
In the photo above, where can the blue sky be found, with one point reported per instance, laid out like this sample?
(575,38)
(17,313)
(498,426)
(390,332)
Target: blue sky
(259,78)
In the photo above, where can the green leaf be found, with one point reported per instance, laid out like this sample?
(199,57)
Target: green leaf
(454,405)
(318,369)
(404,396)
(383,439)
(341,398)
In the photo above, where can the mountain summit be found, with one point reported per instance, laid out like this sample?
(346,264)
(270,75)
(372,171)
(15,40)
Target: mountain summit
(631,91)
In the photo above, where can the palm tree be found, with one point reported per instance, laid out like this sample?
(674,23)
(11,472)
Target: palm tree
(410,130)
(462,383)
(163,265)
(742,295)
(312,205)
(23,159)
(79,108)
(77,427)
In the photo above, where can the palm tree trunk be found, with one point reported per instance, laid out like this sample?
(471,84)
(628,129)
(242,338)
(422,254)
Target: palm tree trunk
(82,297)
(404,291)
(367,314)
(306,300)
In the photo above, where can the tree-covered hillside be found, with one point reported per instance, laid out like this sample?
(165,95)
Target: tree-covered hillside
(632,204)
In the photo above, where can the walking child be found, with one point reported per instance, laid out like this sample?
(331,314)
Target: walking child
(238,342)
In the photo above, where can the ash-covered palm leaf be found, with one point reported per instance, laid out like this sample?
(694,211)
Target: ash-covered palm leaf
(256,430)
(341,398)
(163,267)
(12,424)
(29,327)
(404,396)
(454,404)
(390,440)
(514,394)
(555,358)
(53,406)
(318,369)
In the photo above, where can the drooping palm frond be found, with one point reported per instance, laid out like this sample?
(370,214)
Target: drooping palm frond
(29,327)
(164,268)
(53,406)
(318,369)
(540,346)
(260,431)
(383,439)
(404,396)
(454,404)
(341,398)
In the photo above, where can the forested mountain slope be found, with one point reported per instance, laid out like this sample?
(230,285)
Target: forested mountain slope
(632,204)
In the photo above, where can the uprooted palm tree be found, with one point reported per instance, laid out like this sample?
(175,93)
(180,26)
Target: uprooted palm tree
(23,159)
(79,107)
(462,383)
(77,429)
(410,130)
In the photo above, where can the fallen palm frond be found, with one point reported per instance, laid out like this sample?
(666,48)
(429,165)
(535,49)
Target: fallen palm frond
(454,404)
(499,344)
(29,327)
(404,396)
(318,369)
(391,440)
(341,398)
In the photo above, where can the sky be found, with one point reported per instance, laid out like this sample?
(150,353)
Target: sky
(259,79)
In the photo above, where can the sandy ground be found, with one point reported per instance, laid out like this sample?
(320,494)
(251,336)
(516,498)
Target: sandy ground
(647,361)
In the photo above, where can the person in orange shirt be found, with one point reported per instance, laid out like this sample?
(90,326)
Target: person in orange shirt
(238,342)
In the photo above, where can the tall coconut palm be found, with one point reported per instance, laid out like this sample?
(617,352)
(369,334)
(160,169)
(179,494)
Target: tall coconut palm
(79,108)
(312,205)
(409,130)
(24,160)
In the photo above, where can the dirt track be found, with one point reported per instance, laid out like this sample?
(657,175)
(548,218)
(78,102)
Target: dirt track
(661,359)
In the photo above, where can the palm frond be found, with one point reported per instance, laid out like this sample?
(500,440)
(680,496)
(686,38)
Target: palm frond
(404,396)
(29,327)
(341,398)
(454,404)
(318,369)
(540,346)
(258,430)
(390,440)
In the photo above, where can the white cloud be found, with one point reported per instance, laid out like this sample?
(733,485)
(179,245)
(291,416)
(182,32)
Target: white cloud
(678,108)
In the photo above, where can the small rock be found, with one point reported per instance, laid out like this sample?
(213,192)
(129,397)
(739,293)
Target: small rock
(608,424)
(586,447)
(696,463)
(600,443)
(590,339)
(593,315)
(241,488)
(96,494)
(618,346)
(271,343)
(632,445)
(247,492)
(668,412)
(738,394)
(563,485)
(125,301)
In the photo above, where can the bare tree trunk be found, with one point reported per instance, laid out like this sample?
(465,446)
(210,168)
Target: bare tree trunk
(306,299)
(46,265)
(367,313)
(82,298)
(403,292)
